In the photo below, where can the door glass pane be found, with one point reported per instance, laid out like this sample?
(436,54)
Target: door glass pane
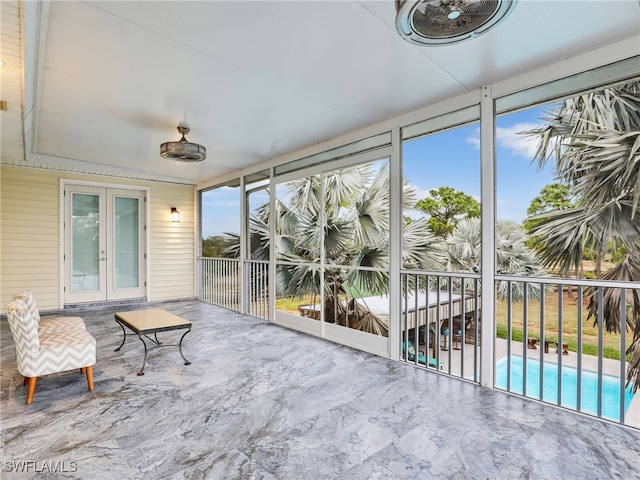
(356,234)
(126,242)
(297,247)
(85,242)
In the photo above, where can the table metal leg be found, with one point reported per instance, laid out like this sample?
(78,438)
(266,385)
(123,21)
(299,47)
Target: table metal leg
(186,362)
(144,361)
(124,337)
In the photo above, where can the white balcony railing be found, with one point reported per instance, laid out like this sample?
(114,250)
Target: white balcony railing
(441,322)
(257,274)
(219,283)
(550,348)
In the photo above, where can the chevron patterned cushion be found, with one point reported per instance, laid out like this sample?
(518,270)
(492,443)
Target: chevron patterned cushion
(47,325)
(62,351)
(24,328)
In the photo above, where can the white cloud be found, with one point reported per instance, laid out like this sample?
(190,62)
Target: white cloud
(474,139)
(420,194)
(512,139)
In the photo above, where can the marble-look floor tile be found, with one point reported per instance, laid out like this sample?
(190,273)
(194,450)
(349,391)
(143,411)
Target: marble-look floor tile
(260,401)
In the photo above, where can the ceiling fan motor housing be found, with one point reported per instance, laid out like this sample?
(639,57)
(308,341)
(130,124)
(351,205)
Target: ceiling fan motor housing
(182,150)
(443,22)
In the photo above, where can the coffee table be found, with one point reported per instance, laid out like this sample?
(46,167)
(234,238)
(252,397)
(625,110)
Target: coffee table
(153,321)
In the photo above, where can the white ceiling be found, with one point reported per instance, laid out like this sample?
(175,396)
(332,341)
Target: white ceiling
(253,80)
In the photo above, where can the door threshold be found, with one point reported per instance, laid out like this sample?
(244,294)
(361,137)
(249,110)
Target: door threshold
(130,302)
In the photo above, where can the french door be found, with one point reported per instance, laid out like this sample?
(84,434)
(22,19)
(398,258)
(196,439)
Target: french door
(104,244)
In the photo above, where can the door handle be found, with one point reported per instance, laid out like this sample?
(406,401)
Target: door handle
(102,259)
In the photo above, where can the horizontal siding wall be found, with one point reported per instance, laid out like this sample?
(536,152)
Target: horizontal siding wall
(172,247)
(30,235)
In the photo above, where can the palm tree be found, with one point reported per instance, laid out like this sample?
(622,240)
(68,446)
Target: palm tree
(595,141)
(513,257)
(349,216)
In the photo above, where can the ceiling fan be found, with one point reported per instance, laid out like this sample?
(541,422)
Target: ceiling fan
(443,22)
(183,151)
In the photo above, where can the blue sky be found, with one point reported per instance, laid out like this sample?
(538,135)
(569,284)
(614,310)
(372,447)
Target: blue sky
(450,158)
(220,211)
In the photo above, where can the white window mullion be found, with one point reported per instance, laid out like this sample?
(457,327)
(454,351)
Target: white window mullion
(488,197)
(395,243)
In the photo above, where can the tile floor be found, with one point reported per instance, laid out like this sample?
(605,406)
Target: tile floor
(263,402)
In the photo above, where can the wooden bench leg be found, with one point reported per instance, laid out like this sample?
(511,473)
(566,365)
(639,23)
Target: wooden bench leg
(31,389)
(89,371)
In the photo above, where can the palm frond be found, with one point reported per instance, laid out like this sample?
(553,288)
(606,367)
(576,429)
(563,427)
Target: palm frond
(610,109)
(612,308)
(371,281)
(299,280)
(371,210)
(567,233)
(338,239)
(633,370)
(464,246)
(344,185)
(603,166)
(421,249)
(366,321)
(626,271)
(305,194)
(513,257)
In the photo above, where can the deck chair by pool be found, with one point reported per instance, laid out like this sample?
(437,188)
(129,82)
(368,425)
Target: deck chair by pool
(422,359)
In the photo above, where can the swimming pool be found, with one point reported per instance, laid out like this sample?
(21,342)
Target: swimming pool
(589,386)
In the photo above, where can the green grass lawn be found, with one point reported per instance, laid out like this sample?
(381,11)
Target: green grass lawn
(610,341)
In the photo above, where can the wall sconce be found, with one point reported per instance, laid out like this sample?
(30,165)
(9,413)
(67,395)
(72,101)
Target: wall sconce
(175,214)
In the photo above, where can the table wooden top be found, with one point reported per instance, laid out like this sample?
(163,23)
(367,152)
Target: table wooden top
(153,319)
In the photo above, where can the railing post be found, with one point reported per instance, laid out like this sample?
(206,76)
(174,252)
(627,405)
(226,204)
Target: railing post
(243,278)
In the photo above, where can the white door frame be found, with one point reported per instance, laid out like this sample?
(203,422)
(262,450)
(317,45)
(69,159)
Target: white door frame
(62,241)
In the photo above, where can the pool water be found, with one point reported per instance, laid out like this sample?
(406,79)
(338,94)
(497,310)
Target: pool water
(589,387)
